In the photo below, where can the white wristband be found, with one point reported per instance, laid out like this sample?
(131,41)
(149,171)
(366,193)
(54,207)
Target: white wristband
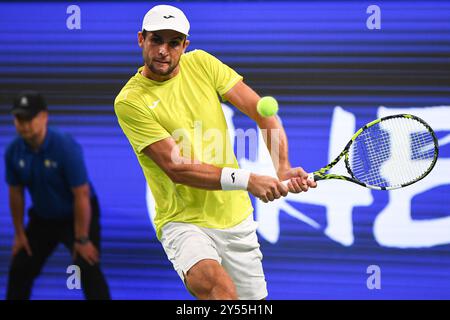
(234,179)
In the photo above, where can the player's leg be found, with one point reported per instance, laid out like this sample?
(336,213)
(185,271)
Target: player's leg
(242,259)
(208,280)
(93,281)
(195,258)
(42,238)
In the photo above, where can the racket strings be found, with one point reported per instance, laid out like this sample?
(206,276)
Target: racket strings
(392,153)
(372,151)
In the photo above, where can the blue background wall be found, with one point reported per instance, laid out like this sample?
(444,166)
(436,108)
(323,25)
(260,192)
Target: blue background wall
(312,56)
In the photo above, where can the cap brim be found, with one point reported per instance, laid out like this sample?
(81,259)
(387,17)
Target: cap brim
(18,112)
(159,28)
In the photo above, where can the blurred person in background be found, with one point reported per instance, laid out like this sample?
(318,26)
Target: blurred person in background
(50,165)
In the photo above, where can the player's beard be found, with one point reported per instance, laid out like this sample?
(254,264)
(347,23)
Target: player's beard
(32,137)
(157,71)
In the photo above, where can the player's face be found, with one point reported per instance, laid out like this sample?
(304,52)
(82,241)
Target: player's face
(161,51)
(31,129)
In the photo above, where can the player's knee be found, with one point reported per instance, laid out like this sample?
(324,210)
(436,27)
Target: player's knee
(224,291)
(208,280)
(216,289)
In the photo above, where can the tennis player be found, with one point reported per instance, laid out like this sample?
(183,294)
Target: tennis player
(204,215)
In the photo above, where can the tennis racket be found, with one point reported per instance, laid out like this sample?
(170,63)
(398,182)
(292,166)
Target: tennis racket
(388,153)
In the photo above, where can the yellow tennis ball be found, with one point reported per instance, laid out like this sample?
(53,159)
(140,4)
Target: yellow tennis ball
(267,106)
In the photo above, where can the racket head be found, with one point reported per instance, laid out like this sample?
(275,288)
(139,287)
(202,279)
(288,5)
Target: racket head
(392,152)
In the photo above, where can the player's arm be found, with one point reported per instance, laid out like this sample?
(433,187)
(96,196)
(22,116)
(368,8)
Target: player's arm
(82,209)
(17,207)
(147,135)
(166,154)
(246,99)
(16,192)
(75,173)
(82,212)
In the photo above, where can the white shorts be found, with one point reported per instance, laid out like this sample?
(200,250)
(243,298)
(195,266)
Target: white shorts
(236,249)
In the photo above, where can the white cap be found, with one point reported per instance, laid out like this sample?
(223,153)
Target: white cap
(165,17)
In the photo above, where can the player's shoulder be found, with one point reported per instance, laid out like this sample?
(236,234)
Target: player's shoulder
(13,146)
(55,134)
(197,56)
(130,99)
(130,104)
(61,139)
(131,94)
(129,91)
(196,53)
(63,146)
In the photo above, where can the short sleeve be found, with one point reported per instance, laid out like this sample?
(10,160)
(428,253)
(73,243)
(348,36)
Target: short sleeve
(222,76)
(139,125)
(11,176)
(74,166)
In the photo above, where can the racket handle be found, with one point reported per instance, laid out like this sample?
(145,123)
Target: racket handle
(310,177)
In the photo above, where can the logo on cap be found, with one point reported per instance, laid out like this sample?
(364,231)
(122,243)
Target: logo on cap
(24,102)
(168,17)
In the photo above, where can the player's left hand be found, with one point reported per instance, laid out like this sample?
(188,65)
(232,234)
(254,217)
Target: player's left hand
(87,251)
(298,179)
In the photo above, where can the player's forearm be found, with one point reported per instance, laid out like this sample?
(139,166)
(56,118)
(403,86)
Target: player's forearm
(276,142)
(82,208)
(17,207)
(198,175)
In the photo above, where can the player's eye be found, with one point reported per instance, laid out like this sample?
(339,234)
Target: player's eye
(156,40)
(174,44)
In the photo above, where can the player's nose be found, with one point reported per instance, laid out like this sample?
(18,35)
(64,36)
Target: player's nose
(163,49)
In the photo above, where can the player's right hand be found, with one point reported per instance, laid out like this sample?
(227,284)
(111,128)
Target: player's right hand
(266,188)
(21,242)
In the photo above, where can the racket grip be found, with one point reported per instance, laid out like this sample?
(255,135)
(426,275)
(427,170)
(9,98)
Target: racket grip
(310,177)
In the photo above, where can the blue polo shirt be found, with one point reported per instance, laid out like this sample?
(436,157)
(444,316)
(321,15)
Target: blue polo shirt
(48,174)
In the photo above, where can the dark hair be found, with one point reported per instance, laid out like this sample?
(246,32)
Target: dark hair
(144,34)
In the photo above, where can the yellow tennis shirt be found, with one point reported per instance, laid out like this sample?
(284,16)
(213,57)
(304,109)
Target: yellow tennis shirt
(186,108)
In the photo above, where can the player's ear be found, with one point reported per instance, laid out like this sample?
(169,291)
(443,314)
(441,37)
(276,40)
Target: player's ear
(42,117)
(141,39)
(186,44)
(45,116)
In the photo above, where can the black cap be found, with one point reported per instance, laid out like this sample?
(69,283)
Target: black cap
(28,104)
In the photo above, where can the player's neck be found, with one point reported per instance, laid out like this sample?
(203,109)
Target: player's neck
(36,142)
(146,72)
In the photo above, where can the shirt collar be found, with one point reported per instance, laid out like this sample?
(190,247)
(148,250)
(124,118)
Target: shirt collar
(45,145)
